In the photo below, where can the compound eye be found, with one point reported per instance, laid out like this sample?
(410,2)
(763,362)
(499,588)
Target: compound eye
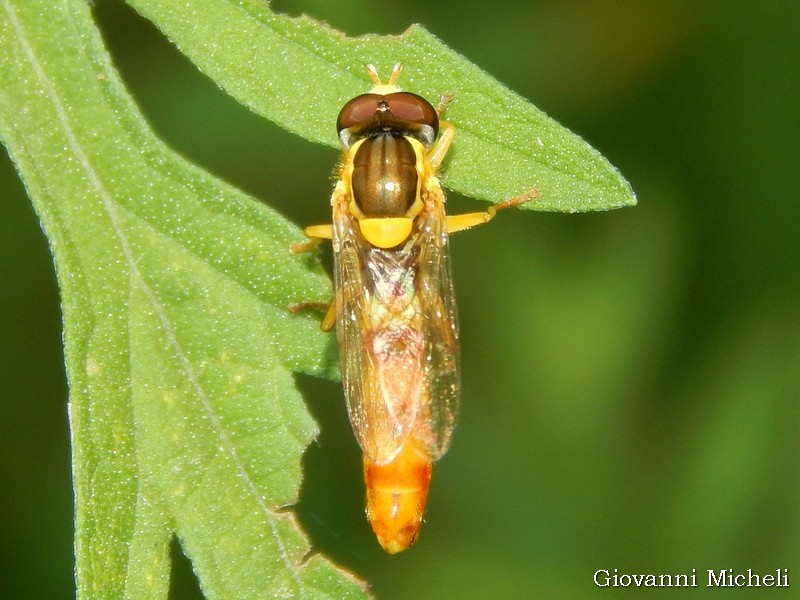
(358,111)
(406,106)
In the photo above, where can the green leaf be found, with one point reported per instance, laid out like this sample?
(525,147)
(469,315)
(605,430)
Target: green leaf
(299,73)
(179,345)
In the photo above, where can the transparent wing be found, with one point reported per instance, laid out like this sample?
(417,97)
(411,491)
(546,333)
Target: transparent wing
(439,407)
(381,425)
(397,332)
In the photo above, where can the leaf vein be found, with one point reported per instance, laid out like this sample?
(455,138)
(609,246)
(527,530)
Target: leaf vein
(119,231)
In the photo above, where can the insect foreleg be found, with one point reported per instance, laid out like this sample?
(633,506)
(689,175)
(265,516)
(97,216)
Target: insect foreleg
(442,145)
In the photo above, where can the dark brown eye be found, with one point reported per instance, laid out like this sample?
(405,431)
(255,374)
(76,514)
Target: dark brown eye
(402,113)
(358,111)
(406,106)
(399,106)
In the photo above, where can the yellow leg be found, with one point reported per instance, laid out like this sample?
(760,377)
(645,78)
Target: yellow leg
(444,100)
(316,234)
(442,145)
(447,130)
(465,221)
(328,321)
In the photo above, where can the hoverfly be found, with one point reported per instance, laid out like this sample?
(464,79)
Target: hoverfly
(394,309)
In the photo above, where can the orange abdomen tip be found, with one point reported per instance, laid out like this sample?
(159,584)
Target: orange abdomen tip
(396,495)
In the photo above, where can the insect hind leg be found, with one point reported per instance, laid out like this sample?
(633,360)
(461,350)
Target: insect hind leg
(316,234)
(328,321)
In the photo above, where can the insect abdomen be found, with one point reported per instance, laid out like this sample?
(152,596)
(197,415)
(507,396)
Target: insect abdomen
(396,496)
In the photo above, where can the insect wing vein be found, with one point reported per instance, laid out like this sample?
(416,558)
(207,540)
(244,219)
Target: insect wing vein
(381,421)
(440,407)
(398,336)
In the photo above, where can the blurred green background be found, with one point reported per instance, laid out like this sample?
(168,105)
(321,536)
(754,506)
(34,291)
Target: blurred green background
(631,379)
